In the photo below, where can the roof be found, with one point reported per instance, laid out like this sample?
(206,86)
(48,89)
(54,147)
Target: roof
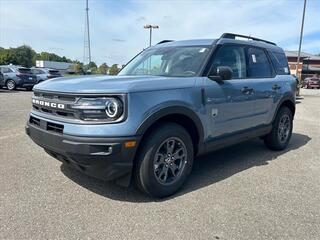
(209,42)
(303,55)
(192,42)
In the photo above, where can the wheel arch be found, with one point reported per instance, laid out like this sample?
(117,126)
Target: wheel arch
(288,101)
(177,114)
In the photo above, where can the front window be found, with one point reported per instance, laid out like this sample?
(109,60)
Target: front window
(168,61)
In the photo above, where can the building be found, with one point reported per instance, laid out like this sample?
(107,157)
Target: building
(309,65)
(61,66)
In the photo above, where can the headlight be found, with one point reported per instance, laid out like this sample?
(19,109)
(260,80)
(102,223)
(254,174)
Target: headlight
(108,109)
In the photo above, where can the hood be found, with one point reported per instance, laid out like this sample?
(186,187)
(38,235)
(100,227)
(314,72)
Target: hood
(113,84)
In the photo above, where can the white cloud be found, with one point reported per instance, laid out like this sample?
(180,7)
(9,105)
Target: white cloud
(117,27)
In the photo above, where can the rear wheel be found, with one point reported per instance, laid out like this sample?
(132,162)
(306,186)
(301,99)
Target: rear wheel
(11,85)
(165,160)
(29,88)
(281,132)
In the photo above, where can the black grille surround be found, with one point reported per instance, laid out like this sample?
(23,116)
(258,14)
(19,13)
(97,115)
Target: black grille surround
(68,100)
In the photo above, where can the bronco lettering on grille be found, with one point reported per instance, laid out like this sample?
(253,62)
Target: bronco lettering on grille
(48,104)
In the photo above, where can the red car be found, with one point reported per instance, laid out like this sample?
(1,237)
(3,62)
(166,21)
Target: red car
(312,83)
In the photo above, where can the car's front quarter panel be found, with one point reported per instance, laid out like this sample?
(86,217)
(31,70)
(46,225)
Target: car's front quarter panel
(141,106)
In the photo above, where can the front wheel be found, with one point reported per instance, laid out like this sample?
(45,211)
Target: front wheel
(279,137)
(165,160)
(11,85)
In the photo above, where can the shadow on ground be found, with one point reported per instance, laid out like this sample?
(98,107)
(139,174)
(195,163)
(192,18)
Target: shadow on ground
(207,169)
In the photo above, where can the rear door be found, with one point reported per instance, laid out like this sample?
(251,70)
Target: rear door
(229,103)
(263,79)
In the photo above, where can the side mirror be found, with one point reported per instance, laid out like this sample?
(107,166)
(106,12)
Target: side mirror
(221,73)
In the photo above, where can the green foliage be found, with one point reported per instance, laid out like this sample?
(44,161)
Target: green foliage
(91,68)
(46,56)
(114,69)
(26,56)
(23,55)
(103,68)
(78,68)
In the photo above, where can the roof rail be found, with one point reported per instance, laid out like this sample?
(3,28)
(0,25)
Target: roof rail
(233,36)
(165,41)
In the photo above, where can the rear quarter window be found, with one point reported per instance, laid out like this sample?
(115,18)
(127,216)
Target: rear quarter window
(280,63)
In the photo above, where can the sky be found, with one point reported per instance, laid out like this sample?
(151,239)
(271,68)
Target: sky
(116,26)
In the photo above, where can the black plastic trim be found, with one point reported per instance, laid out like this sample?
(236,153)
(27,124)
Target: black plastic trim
(148,122)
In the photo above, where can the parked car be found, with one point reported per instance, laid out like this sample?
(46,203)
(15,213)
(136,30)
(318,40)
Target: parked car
(17,76)
(45,73)
(312,82)
(172,102)
(1,77)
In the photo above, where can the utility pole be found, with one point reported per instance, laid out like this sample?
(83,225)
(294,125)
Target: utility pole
(86,45)
(150,27)
(301,35)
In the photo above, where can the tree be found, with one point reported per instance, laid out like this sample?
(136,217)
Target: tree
(90,68)
(114,69)
(78,68)
(26,56)
(103,68)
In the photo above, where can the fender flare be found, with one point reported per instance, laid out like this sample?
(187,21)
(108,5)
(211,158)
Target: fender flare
(150,120)
(287,97)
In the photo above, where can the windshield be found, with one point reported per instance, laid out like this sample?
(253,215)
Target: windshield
(168,61)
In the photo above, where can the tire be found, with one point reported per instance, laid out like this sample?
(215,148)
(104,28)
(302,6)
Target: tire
(11,85)
(155,163)
(29,88)
(279,137)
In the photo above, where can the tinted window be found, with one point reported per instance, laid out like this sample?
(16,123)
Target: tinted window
(24,70)
(280,62)
(233,57)
(6,70)
(258,64)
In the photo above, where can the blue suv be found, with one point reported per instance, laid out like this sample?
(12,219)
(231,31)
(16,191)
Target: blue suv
(172,102)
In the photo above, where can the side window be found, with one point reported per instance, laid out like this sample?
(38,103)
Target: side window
(5,70)
(280,62)
(233,57)
(258,64)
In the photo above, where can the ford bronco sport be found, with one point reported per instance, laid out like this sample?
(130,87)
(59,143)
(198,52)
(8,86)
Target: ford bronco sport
(172,102)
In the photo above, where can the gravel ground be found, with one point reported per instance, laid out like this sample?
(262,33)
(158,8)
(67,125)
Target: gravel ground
(242,192)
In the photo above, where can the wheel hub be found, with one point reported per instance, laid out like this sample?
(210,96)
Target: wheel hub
(170,160)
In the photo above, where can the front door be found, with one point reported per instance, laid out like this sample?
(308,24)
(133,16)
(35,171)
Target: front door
(229,103)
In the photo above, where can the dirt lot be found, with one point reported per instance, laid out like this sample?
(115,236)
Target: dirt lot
(242,192)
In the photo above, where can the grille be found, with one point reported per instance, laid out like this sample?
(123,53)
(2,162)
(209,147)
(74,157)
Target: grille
(49,126)
(67,112)
(34,121)
(53,127)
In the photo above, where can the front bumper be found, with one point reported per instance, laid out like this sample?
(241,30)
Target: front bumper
(103,158)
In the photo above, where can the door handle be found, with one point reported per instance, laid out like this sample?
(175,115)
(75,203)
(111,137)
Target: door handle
(276,87)
(246,90)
